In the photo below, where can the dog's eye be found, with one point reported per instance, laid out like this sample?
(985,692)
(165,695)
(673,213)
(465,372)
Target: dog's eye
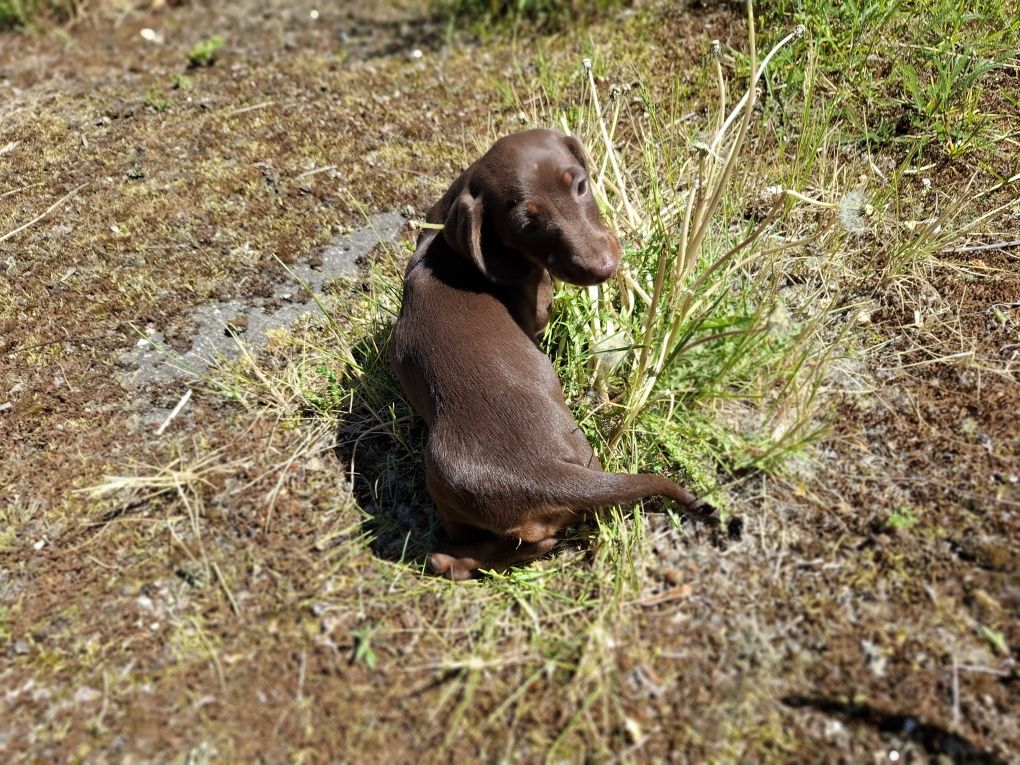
(582,187)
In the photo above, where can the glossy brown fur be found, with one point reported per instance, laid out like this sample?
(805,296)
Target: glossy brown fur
(506,465)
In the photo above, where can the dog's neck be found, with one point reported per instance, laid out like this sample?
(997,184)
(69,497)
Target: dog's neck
(529,300)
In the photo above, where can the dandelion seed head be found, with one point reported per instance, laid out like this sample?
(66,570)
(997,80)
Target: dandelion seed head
(852,212)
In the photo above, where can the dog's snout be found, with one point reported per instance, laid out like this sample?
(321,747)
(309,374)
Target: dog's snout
(609,261)
(606,266)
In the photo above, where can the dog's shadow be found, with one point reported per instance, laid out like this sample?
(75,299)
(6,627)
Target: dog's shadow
(379,443)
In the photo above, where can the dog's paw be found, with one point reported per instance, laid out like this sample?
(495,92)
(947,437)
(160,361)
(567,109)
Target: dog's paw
(448,566)
(705,513)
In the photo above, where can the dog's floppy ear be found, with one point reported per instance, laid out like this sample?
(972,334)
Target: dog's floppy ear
(577,150)
(463,231)
(462,228)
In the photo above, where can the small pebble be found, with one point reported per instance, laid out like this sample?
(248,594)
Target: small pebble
(237,326)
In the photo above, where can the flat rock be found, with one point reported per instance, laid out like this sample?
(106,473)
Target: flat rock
(221,324)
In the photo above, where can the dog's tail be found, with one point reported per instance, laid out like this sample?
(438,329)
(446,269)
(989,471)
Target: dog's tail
(582,488)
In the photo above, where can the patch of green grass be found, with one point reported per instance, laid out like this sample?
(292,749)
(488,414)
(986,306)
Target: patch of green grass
(155,99)
(205,52)
(909,73)
(903,518)
(179,81)
(693,357)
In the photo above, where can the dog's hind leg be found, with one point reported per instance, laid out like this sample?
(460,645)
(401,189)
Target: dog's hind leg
(461,561)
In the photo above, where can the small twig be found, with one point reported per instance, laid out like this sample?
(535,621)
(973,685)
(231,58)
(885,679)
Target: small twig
(315,171)
(980,247)
(213,658)
(176,410)
(98,562)
(230,595)
(939,360)
(956,692)
(20,188)
(252,108)
(809,200)
(98,720)
(983,670)
(302,670)
(46,212)
(676,593)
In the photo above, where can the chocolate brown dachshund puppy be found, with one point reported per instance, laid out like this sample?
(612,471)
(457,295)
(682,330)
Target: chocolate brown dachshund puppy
(506,465)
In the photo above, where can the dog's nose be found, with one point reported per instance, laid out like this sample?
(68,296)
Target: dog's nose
(606,266)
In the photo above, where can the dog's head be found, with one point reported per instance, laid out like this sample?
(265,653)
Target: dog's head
(528,203)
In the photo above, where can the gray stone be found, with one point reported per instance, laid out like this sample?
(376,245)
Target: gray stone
(152,361)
